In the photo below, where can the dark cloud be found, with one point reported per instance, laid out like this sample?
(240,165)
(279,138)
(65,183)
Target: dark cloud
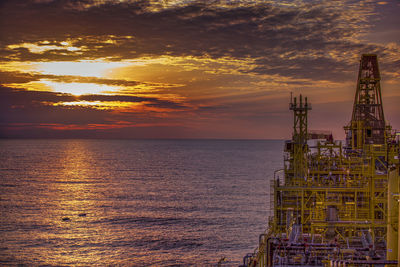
(21,106)
(150,101)
(294,41)
(32,107)
(17,77)
(299,45)
(31,114)
(19,97)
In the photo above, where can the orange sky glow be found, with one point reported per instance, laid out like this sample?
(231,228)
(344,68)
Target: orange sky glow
(188,69)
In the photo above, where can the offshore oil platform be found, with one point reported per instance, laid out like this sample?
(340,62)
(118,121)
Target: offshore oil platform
(336,203)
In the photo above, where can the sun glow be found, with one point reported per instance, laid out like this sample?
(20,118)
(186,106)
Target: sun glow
(66,88)
(45,46)
(100,104)
(85,68)
(79,88)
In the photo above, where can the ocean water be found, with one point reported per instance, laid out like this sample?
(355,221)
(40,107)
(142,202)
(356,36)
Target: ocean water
(133,202)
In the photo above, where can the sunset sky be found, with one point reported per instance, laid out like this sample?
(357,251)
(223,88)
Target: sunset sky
(188,69)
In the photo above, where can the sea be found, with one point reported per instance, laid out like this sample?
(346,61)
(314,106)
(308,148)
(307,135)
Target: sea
(72,202)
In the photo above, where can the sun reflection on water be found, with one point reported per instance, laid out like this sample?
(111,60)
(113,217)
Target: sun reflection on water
(90,214)
(127,203)
(75,206)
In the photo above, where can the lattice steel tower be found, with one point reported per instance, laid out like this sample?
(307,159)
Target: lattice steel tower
(299,139)
(367,125)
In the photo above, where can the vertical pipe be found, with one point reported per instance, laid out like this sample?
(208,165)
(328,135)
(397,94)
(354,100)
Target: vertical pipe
(395,174)
(392,233)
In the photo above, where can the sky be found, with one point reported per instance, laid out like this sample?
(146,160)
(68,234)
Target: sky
(189,69)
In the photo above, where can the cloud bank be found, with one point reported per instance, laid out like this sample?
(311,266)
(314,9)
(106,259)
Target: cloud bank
(200,65)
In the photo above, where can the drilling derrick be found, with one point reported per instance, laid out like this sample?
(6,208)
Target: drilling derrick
(367,125)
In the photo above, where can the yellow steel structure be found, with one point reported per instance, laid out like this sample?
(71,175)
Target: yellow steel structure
(333,205)
(393,215)
(299,143)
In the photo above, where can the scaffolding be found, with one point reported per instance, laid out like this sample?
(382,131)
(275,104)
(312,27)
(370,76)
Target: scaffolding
(332,205)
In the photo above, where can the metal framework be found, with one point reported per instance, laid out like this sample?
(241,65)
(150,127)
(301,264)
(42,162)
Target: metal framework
(367,124)
(299,140)
(332,205)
